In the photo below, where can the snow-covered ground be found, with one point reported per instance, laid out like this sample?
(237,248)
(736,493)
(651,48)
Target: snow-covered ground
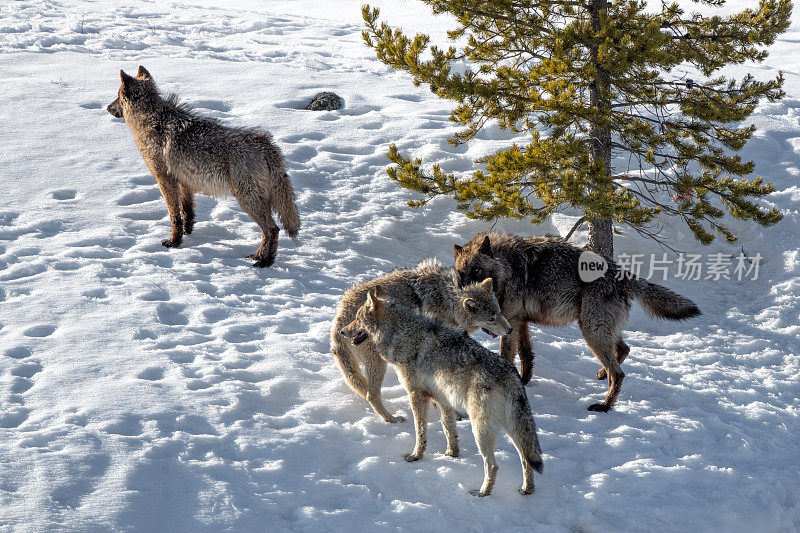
(183,390)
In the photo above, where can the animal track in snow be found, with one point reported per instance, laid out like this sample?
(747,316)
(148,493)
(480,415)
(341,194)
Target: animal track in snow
(14,416)
(172,314)
(310,136)
(64,194)
(153,373)
(18,352)
(128,425)
(138,197)
(27,369)
(237,334)
(40,330)
(214,105)
(20,385)
(66,266)
(156,294)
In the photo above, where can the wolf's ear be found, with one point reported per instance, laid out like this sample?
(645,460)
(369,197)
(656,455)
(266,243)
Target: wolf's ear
(486,247)
(374,305)
(126,80)
(458,249)
(470,305)
(380,292)
(487,284)
(143,73)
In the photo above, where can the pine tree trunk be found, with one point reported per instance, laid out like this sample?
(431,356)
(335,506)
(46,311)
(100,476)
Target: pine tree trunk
(601,235)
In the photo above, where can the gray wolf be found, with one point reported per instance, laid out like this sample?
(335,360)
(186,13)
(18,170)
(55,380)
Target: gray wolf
(536,279)
(441,363)
(187,153)
(429,288)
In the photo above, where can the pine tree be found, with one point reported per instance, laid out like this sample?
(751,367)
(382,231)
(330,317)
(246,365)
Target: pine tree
(591,81)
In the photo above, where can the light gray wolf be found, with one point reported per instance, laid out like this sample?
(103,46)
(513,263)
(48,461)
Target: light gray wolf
(441,363)
(537,279)
(429,288)
(187,153)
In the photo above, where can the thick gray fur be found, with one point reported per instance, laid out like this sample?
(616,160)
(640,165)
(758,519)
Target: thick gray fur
(188,153)
(537,280)
(440,363)
(429,288)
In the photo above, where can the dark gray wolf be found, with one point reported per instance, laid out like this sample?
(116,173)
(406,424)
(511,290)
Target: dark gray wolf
(429,288)
(536,279)
(442,363)
(187,153)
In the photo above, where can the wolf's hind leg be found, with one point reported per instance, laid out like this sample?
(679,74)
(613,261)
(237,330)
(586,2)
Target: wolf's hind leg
(603,347)
(375,369)
(448,417)
(419,405)
(484,438)
(258,207)
(622,351)
(169,190)
(187,206)
(527,467)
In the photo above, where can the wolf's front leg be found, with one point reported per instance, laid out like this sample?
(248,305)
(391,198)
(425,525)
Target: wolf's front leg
(508,344)
(171,194)
(448,417)
(419,406)
(375,368)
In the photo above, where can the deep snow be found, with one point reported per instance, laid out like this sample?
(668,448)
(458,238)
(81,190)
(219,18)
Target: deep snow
(183,390)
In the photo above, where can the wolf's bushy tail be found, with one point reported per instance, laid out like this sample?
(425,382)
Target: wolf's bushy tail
(284,205)
(522,429)
(347,365)
(660,301)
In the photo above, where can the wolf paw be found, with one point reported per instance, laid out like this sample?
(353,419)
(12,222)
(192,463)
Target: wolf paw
(171,243)
(601,374)
(525,491)
(396,419)
(264,262)
(478,492)
(188,227)
(410,457)
(600,407)
(453,453)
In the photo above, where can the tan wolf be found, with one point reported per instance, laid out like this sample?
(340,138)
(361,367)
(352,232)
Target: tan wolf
(537,280)
(187,153)
(442,363)
(429,288)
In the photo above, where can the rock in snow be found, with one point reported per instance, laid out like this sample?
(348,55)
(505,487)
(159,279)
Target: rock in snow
(325,101)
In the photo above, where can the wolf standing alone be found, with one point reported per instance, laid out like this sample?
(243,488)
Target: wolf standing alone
(187,153)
